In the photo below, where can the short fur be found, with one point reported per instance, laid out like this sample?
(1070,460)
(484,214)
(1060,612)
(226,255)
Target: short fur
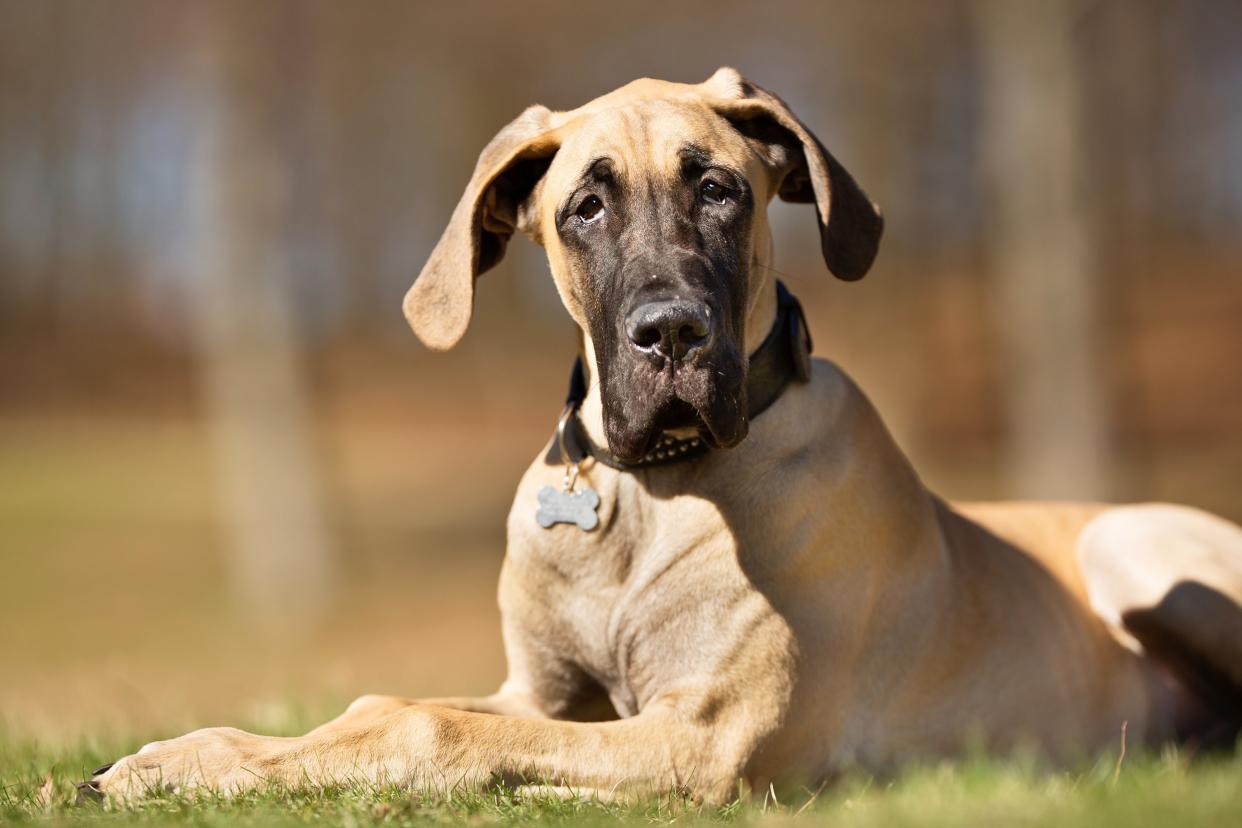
(785,609)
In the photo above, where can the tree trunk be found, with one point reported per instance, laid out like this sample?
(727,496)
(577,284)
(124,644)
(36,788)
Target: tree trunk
(271,486)
(1041,248)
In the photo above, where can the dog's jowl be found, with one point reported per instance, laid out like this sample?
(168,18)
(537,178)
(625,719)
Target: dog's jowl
(758,587)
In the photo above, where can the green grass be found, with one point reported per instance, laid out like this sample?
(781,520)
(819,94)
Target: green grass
(1141,790)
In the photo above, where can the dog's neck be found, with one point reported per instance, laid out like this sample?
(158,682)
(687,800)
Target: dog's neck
(759,321)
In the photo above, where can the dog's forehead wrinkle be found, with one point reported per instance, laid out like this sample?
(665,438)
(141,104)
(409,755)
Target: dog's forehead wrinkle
(600,168)
(694,153)
(655,133)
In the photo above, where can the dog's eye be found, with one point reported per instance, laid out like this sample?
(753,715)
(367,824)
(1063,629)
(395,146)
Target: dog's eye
(714,192)
(590,209)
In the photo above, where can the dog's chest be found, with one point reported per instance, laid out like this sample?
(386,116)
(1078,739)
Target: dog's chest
(626,600)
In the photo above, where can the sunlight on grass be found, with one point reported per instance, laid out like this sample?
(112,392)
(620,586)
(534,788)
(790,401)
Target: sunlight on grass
(1147,789)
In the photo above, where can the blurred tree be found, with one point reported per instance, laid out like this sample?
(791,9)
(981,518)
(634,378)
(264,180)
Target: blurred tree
(1041,247)
(255,390)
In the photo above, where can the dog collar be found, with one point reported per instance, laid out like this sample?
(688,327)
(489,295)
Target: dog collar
(783,357)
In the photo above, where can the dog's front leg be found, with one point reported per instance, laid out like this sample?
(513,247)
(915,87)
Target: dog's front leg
(371,707)
(438,748)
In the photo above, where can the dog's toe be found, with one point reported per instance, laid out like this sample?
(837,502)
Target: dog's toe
(89,792)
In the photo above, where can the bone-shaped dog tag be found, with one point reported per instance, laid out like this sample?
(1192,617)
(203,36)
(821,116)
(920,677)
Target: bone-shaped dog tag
(561,506)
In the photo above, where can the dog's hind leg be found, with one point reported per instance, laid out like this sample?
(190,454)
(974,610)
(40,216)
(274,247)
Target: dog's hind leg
(1168,580)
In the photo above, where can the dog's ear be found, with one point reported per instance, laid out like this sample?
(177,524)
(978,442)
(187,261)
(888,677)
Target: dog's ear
(494,205)
(850,224)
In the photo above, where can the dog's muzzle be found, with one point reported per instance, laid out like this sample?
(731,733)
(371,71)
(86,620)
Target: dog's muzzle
(782,358)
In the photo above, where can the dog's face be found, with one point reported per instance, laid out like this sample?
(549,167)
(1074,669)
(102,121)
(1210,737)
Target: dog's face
(648,216)
(650,202)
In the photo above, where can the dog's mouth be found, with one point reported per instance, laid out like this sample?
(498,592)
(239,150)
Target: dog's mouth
(708,399)
(677,416)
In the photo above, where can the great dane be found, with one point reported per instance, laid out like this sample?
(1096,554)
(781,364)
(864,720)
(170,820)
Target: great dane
(722,572)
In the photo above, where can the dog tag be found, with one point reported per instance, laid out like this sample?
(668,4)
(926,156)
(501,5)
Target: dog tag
(568,506)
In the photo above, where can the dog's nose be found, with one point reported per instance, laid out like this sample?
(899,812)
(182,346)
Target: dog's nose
(672,329)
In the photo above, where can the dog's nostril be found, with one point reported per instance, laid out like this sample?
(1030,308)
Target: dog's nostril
(692,333)
(646,337)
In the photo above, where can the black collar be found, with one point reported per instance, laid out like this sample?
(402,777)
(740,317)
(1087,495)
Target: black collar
(784,356)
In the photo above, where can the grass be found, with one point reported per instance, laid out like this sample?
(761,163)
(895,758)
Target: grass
(1169,788)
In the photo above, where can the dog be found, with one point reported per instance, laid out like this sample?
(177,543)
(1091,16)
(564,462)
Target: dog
(722,571)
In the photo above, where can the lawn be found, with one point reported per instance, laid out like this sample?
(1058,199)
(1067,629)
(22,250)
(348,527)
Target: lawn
(1171,788)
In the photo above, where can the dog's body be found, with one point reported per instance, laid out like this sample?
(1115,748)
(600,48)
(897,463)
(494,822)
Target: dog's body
(795,602)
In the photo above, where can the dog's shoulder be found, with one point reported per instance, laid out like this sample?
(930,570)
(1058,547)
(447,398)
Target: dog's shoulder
(829,406)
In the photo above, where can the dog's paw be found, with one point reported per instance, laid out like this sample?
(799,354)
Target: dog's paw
(218,759)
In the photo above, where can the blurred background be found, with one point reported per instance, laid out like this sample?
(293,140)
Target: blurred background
(231,478)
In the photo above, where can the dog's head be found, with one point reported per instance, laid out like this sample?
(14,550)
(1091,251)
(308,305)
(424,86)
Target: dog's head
(651,204)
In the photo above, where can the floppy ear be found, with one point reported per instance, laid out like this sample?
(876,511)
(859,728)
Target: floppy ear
(439,304)
(850,224)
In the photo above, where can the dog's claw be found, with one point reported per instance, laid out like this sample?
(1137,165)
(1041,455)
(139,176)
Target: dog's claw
(89,792)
